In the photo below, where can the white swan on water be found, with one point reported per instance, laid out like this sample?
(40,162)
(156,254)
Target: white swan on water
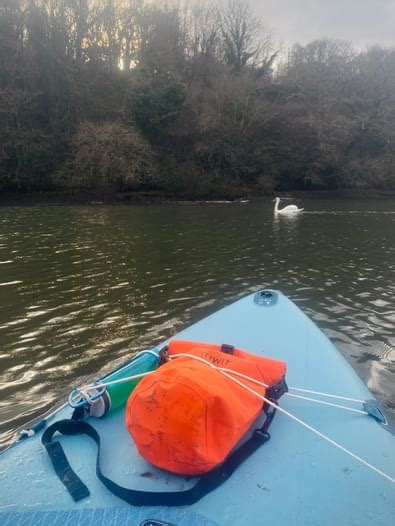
(287,210)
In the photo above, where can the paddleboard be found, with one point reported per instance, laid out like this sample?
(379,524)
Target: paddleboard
(297,477)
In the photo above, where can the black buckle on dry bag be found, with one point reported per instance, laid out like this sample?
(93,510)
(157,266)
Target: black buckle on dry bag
(227,349)
(275,392)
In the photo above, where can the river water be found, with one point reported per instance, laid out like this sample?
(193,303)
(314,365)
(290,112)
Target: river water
(82,288)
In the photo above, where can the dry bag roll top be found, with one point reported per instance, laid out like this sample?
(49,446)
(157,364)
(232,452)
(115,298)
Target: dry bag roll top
(188,416)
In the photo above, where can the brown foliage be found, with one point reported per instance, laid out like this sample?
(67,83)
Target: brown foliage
(95,91)
(108,157)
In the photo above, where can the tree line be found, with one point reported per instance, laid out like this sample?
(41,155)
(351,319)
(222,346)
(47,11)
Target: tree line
(188,99)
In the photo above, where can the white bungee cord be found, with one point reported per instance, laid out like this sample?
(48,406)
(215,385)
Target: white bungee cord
(230,374)
(312,429)
(89,393)
(327,395)
(314,400)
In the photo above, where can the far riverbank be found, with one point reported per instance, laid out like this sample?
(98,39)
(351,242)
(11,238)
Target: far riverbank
(155,197)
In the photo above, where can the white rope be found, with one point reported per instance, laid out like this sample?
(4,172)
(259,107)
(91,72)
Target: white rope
(322,402)
(114,382)
(90,398)
(228,373)
(309,391)
(241,375)
(312,429)
(84,389)
(327,395)
(296,419)
(101,385)
(307,398)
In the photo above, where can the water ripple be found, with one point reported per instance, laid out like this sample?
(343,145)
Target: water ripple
(82,289)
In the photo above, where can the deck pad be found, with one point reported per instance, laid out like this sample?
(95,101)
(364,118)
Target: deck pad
(106,517)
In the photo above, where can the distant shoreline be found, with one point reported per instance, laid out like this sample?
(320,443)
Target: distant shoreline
(148,198)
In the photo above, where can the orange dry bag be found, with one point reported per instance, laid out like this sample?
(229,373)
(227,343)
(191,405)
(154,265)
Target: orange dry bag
(189,415)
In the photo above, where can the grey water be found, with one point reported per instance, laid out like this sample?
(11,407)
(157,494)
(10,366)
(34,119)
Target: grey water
(84,287)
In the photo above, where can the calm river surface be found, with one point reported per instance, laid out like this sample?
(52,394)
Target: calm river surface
(82,288)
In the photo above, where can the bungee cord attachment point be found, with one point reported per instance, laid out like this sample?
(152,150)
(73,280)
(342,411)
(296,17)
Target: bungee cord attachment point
(98,398)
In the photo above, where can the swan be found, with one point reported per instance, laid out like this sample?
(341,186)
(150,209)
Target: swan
(287,210)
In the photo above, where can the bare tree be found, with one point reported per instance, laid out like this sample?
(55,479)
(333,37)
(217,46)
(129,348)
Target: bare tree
(129,15)
(244,40)
(203,28)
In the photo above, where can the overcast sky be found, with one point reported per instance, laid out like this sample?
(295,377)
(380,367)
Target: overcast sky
(361,22)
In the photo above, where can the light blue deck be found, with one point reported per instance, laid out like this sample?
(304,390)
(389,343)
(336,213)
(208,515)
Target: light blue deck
(295,478)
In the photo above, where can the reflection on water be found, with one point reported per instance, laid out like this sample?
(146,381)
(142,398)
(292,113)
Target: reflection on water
(82,288)
(285,227)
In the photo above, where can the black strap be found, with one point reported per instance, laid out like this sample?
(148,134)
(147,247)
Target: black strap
(204,485)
